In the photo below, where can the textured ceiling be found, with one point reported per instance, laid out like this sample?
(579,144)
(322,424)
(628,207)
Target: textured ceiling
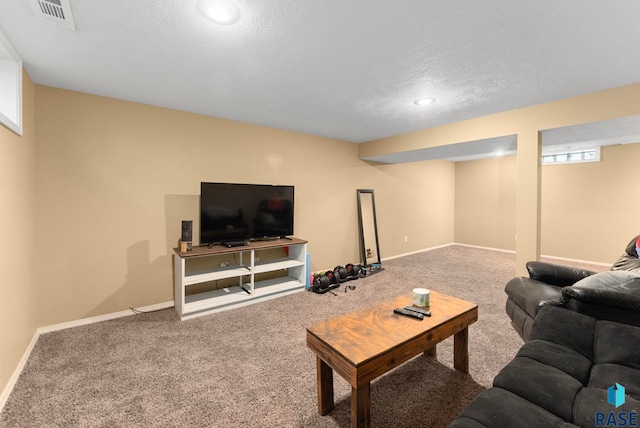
(342,69)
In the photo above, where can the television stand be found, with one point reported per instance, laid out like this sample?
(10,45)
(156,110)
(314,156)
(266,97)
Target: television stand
(231,244)
(267,238)
(263,270)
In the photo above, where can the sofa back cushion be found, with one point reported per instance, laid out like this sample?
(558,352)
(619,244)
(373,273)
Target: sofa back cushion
(613,296)
(567,328)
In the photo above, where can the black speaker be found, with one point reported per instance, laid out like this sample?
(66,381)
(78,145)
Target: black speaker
(187,231)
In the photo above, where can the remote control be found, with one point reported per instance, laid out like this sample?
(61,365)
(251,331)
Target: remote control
(425,312)
(408,313)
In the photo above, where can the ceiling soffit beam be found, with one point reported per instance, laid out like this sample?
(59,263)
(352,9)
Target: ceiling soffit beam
(498,146)
(607,105)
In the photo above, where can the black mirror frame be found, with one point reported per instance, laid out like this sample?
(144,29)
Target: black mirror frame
(363,250)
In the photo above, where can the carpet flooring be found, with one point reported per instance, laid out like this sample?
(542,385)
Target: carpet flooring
(250,366)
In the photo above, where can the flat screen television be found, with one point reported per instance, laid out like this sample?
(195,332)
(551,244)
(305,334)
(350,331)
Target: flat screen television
(235,213)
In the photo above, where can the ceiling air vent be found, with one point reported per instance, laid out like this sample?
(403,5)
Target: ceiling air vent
(57,11)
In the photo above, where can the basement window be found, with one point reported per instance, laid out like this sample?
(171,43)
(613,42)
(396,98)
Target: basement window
(10,87)
(587,155)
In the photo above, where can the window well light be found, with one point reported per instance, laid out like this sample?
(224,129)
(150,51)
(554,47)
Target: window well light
(424,101)
(220,12)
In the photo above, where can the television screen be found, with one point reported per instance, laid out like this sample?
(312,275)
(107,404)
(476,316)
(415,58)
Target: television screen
(241,212)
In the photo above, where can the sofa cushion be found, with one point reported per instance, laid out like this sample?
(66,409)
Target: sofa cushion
(545,386)
(496,407)
(559,357)
(617,360)
(618,343)
(569,329)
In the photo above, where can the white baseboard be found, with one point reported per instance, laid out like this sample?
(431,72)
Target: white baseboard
(384,259)
(486,248)
(16,373)
(62,326)
(100,318)
(424,250)
(589,262)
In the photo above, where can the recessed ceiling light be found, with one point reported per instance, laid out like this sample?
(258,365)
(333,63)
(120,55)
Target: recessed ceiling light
(424,101)
(219,11)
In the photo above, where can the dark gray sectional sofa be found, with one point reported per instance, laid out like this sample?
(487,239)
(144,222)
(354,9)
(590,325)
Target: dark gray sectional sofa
(581,345)
(561,376)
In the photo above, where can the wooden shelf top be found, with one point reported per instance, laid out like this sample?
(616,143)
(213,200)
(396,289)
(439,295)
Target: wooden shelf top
(204,250)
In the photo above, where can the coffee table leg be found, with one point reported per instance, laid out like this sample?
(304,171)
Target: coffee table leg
(431,352)
(361,406)
(461,351)
(325,387)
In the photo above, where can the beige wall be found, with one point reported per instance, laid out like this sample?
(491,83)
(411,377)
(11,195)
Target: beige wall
(590,211)
(415,200)
(116,178)
(485,203)
(17,215)
(587,209)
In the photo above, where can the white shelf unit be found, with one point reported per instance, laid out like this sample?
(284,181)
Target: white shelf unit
(250,288)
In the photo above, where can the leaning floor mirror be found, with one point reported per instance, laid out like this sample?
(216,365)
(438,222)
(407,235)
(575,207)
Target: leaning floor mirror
(367,222)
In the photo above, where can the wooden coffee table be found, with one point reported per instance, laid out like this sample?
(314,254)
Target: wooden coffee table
(365,344)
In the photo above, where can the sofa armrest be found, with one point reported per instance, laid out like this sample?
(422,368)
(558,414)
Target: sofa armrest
(558,275)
